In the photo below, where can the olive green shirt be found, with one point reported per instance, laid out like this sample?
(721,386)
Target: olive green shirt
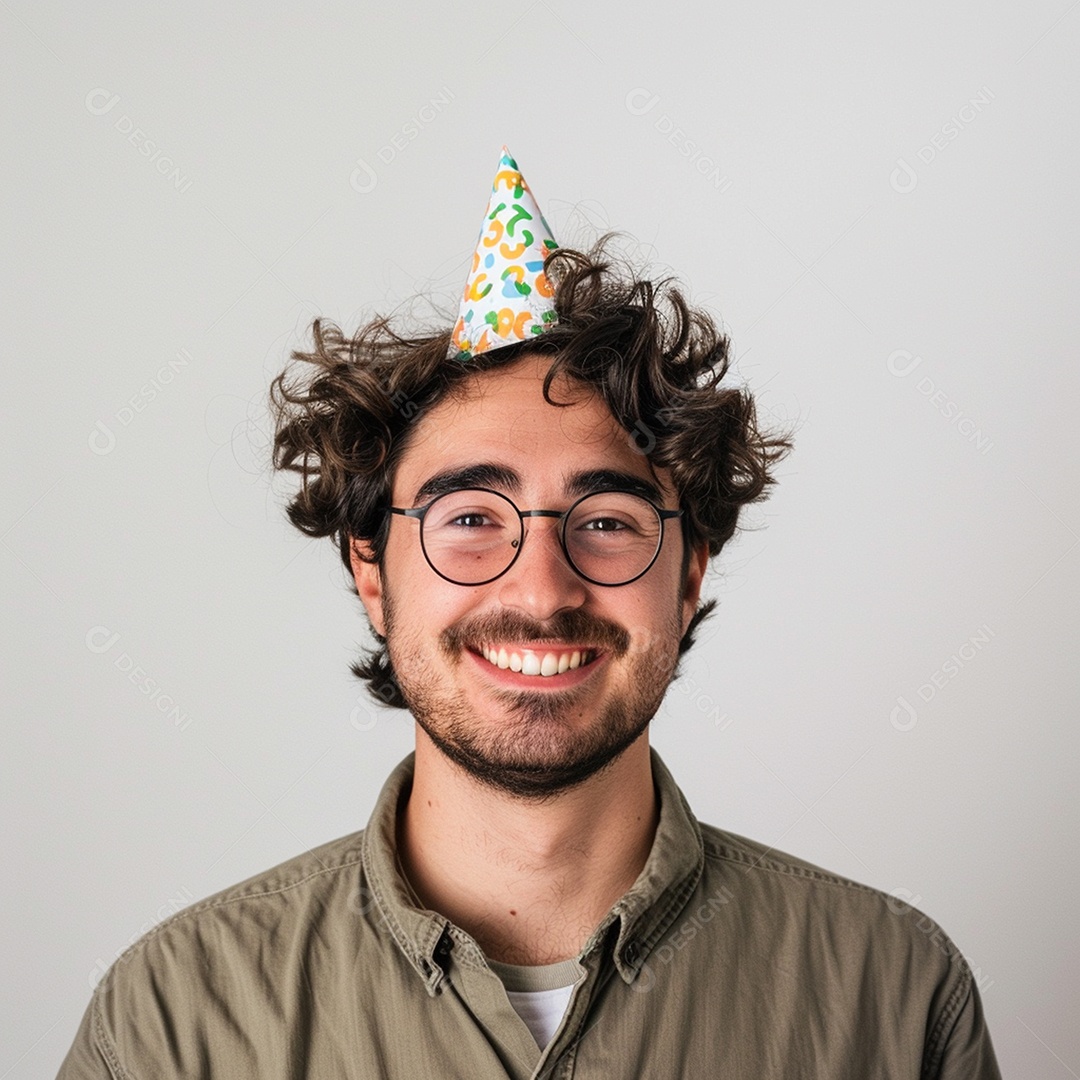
(725,959)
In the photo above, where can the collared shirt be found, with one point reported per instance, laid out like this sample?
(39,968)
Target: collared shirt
(725,959)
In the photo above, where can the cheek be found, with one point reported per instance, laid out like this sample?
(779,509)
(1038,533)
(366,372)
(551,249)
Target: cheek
(423,603)
(653,615)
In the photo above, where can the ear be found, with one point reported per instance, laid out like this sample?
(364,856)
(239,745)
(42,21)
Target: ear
(695,575)
(368,580)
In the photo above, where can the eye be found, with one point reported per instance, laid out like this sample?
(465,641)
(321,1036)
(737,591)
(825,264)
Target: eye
(470,520)
(604,524)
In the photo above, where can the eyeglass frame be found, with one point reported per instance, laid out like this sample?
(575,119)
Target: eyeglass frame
(418,513)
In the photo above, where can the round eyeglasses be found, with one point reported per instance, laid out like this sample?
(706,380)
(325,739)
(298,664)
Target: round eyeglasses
(473,536)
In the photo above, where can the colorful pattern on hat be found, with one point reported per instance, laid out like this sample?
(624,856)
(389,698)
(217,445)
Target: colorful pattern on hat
(507,298)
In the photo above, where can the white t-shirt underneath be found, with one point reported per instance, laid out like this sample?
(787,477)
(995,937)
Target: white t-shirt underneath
(540,995)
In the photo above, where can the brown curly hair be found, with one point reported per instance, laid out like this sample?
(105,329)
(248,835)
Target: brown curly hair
(344,411)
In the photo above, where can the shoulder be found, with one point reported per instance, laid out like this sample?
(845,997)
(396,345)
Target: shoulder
(283,893)
(791,906)
(242,948)
(285,890)
(764,863)
(768,875)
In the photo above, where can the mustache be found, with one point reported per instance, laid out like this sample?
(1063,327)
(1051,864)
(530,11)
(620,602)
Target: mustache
(569,626)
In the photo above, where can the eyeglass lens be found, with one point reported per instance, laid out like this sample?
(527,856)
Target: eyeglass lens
(471,537)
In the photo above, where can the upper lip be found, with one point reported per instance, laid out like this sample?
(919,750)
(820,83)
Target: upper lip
(534,646)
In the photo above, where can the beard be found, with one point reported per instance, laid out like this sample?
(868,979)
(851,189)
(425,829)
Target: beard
(543,743)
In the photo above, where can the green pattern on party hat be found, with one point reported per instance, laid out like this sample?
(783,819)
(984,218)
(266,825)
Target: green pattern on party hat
(507,297)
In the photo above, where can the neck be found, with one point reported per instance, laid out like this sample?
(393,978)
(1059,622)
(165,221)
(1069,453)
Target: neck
(529,881)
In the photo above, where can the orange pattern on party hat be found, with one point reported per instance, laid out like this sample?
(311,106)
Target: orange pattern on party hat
(507,296)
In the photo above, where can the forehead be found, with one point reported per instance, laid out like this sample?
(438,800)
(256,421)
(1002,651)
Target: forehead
(501,416)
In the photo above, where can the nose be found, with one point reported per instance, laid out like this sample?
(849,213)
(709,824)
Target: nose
(541,582)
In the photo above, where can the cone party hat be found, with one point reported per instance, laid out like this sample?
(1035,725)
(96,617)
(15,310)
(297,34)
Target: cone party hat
(507,297)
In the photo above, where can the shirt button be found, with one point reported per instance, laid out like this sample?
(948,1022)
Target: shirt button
(630,953)
(442,951)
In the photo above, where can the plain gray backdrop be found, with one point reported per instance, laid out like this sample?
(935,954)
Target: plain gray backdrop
(881,206)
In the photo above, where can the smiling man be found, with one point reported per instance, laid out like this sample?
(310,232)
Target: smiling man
(527,506)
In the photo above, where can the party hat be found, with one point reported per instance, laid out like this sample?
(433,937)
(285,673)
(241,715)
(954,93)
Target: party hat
(507,297)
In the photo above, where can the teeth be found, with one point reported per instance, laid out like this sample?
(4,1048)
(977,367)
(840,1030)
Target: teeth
(529,663)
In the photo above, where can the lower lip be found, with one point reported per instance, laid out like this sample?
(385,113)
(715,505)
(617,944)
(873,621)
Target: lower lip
(514,680)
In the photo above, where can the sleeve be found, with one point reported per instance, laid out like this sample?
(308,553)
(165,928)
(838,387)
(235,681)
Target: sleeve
(86,1060)
(963,1050)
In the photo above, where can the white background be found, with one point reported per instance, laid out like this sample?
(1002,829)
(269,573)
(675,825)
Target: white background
(817,175)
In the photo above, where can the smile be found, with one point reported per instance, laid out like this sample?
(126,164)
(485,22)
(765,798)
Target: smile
(530,662)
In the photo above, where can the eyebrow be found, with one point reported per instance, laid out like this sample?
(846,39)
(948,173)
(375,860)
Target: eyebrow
(485,474)
(582,483)
(488,474)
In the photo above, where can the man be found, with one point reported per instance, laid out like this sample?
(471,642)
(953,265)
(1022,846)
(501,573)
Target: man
(528,506)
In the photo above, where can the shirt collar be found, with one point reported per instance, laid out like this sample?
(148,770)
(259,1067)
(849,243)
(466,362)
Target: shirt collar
(642,914)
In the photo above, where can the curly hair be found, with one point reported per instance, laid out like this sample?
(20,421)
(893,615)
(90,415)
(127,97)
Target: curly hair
(344,411)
